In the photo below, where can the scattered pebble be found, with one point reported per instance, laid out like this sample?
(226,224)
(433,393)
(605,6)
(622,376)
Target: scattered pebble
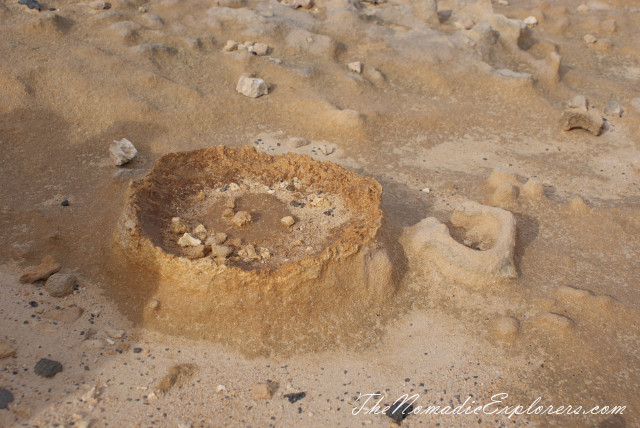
(221,388)
(200,232)
(100,5)
(287,221)
(47,368)
(178,227)
(295,396)
(259,49)
(220,251)
(122,151)
(60,284)
(589,39)
(137,350)
(64,203)
(252,87)
(44,270)
(531,21)
(231,46)
(6,350)
(6,397)
(399,411)
(31,4)
(188,241)
(241,218)
(115,333)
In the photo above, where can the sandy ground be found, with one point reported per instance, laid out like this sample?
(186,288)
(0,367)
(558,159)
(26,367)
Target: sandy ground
(433,108)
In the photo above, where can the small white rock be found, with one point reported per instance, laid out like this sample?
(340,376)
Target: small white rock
(356,67)
(188,241)
(252,87)
(579,101)
(231,46)
(259,49)
(589,39)
(200,232)
(530,21)
(583,8)
(221,388)
(122,151)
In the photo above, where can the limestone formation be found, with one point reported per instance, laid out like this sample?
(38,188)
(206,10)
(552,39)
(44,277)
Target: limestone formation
(590,120)
(490,234)
(259,300)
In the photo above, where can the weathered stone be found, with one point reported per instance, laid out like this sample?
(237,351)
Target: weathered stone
(60,284)
(44,270)
(287,221)
(356,67)
(187,240)
(47,368)
(252,87)
(122,151)
(241,218)
(220,251)
(579,102)
(230,46)
(6,350)
(6,397)
(613,108)
(178,227)
(590,120)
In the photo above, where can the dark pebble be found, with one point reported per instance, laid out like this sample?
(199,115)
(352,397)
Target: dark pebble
(6,397)
(137,350)
(224,188)
(33,304)
(329,212)
(65,203)
(47,368)
(399,411)
(297,204)
(291,188)
(295,396)
(31,4)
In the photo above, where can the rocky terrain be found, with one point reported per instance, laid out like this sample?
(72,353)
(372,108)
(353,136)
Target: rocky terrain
(504,136)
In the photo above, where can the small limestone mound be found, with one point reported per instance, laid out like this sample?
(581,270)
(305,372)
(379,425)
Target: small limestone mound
(262,391)
(60,284)
(287,221)
(579,102)
(356,67)
(230,46)
(494,229)
(248,253)
(44,270)
(99,5)
(533,190)
(175,375)
(178,227)
(505,328)
(260,49)
(297,142)
(578,206)
(499,176)
(505,196)
(252,87)
(613,108)
(122,151)
(187,240)
(241,218)
(573,118)
(554,322)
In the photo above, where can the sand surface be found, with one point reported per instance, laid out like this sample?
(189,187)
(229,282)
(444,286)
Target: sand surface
(441,100)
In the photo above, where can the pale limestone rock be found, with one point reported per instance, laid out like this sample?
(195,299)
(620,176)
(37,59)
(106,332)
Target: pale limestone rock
(187,240)
(122,151)
(287,221)
(252,87)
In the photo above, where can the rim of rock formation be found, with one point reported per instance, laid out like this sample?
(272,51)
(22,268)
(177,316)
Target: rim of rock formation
(270,305)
